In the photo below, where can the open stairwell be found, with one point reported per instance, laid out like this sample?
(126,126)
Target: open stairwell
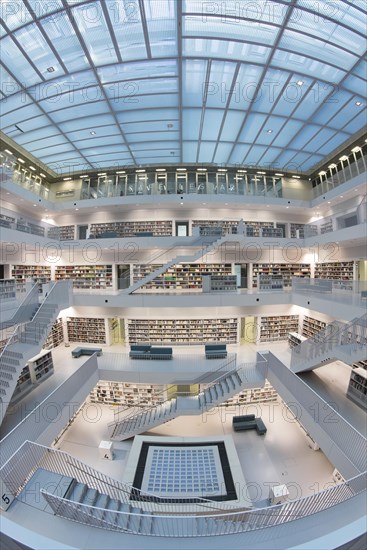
(344,341)
(226,386)
(28,339)
(206,248)
(26,310)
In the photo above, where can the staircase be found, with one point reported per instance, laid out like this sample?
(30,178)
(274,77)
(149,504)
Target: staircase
(28,339)
(25,311)
(205,249)
(344,341)
(226,386)
(91,507)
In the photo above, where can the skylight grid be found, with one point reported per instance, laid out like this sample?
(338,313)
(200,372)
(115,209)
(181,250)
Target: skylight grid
(272,75)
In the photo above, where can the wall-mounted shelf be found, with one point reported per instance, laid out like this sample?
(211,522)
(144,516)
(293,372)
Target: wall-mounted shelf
(86,276)
(357,389)
(294,339)
(334,270)
(311,326)
(159,228)
(253,395)
(7,290)
(37,273)
(36,370)
(286,271)
(278,327)
(56,336)
(82,329)
(123,393)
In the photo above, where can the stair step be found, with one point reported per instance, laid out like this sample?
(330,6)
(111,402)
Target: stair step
(146,523)
(90,496)
(6,375)
(135,520)
(122,520)
(9,361)
(77,492)
(4,383)
(8,368)
(9,353)
(2,392)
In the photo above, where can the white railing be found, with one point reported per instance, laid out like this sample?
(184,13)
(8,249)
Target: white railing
(348,337)
(174,525)
(317,414)
(25,309)
(39,420)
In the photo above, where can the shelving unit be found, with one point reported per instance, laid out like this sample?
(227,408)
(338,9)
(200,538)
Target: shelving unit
(37,369)
(7,290)
(159,228)
(326,227)
(62,233)
(286,271)
(180,276)
(38,273)
(269,282)
(272,232)
(297,231)
(56,336)
(278,327)
(262,229)
(334,270)
(254,395)
(6,221)
(123,393)
(360,364)
(227,226)
(219,283)
(86,276)
(357,389)
(3,344)
(294,339)
(82,329)
(182,331)
(311,326)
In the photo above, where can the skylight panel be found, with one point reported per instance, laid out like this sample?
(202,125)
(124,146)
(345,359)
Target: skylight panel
(220,82)
(127,26)
(206,151)
(348,14)
(211,126)
(62,35)
(162,27)
(11,56)
(191,124)
(94,31)
(222,153)
(257,10)
(297,62)
(40,9)
(80,111)
(14,14)
(138,70)
(193,82)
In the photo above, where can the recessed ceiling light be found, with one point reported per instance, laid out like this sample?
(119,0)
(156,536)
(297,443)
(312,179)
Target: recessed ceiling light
(328,202)
(137,171)
(7,193)
(300,82)
(102,174)
(50,69)
(354,150)
(21,160)
(279,174)
(341,196)
(160,170)
(287,206)
(181,169)
(32,168)
(66,179)
(322,173)
(35,205)
(181,203)
(269,131)
(222,170)
(344,157)
(121,172)
(261,173)
(358,103)
(297,177)
(332,166)
(76,208)
(226,204)
(92,133)
(201,169)
(7,151)
(241,171)
(42,175)
(169,125)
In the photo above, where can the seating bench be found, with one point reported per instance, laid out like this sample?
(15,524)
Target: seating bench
(364,294)
(215,351)
(139,351)
(149,352)
(77,352)
(248,422)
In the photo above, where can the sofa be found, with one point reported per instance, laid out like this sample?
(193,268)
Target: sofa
(147,351)
(248,422)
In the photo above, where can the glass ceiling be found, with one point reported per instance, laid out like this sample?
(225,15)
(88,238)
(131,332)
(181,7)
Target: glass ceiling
(88,84)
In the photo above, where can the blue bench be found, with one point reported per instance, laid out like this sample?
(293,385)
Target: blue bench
(77,352)
(248,422)
(364,294)
(215,351)
(148,352)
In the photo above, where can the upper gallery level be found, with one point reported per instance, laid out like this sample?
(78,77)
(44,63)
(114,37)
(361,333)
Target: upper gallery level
(194,180)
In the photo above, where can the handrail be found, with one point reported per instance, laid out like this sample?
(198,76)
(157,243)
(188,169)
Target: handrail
(31,299)
(235,521)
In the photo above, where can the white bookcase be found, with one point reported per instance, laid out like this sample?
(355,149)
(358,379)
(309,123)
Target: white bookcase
(56,336)
(273,328)
(311,326)
(37,369)
(294,339)
(123,393)
(7,290)
(82,329)
(86,276)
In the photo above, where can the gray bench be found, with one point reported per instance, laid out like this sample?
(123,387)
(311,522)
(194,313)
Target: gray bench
(149,352)
(215,351)
(139,351)
(364,294)
(248,422)
(77,352)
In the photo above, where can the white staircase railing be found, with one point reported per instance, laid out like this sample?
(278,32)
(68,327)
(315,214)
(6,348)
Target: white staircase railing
(27,340)
(26,309)
(345,341)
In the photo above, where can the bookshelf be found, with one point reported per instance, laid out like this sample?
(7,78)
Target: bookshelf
(294,339)
(227,226)
(254,395)
(62,233)
(262,229)
(334,270)
(286,271)
(3,344)
(297,231)
(56,336)
(219,283)
(278,327)
(6,221)
(82,329)
(311,326)
(38,273)
(182,331)
(360,364)
(269,282)
(37,369)
(357,388)
(86,276)
(326,227)
(159,228)
(7,290)
(123,393)
(180,276)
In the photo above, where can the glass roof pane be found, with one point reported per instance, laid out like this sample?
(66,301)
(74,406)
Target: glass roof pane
(101,131)
(47,141)
(93,28)
(349,111)
(80,111)
(150,126)
(344,12)
(128,29)
(211,126)
(130,91)
(162,28)
(301,159)
(206,151)
(300,64)
(41,55)
(191,123)
(22,114)
(86,123)
(333,143)
(252,127)
(226,49)
(215,27)
(357,122)
(193,82)
(55,150)
(153,114)
(189,150)
(148,102)
(239,152)
(42,8)
(14,102)
(62,35)
(232,125)
(11,56)
(32,136)
(138,70)
(14,14)
(2,30)
(356,85)
(152,136)
(246,86)
(66,84)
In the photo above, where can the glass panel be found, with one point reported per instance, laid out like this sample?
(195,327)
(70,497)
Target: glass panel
(13,57)
(14,14)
